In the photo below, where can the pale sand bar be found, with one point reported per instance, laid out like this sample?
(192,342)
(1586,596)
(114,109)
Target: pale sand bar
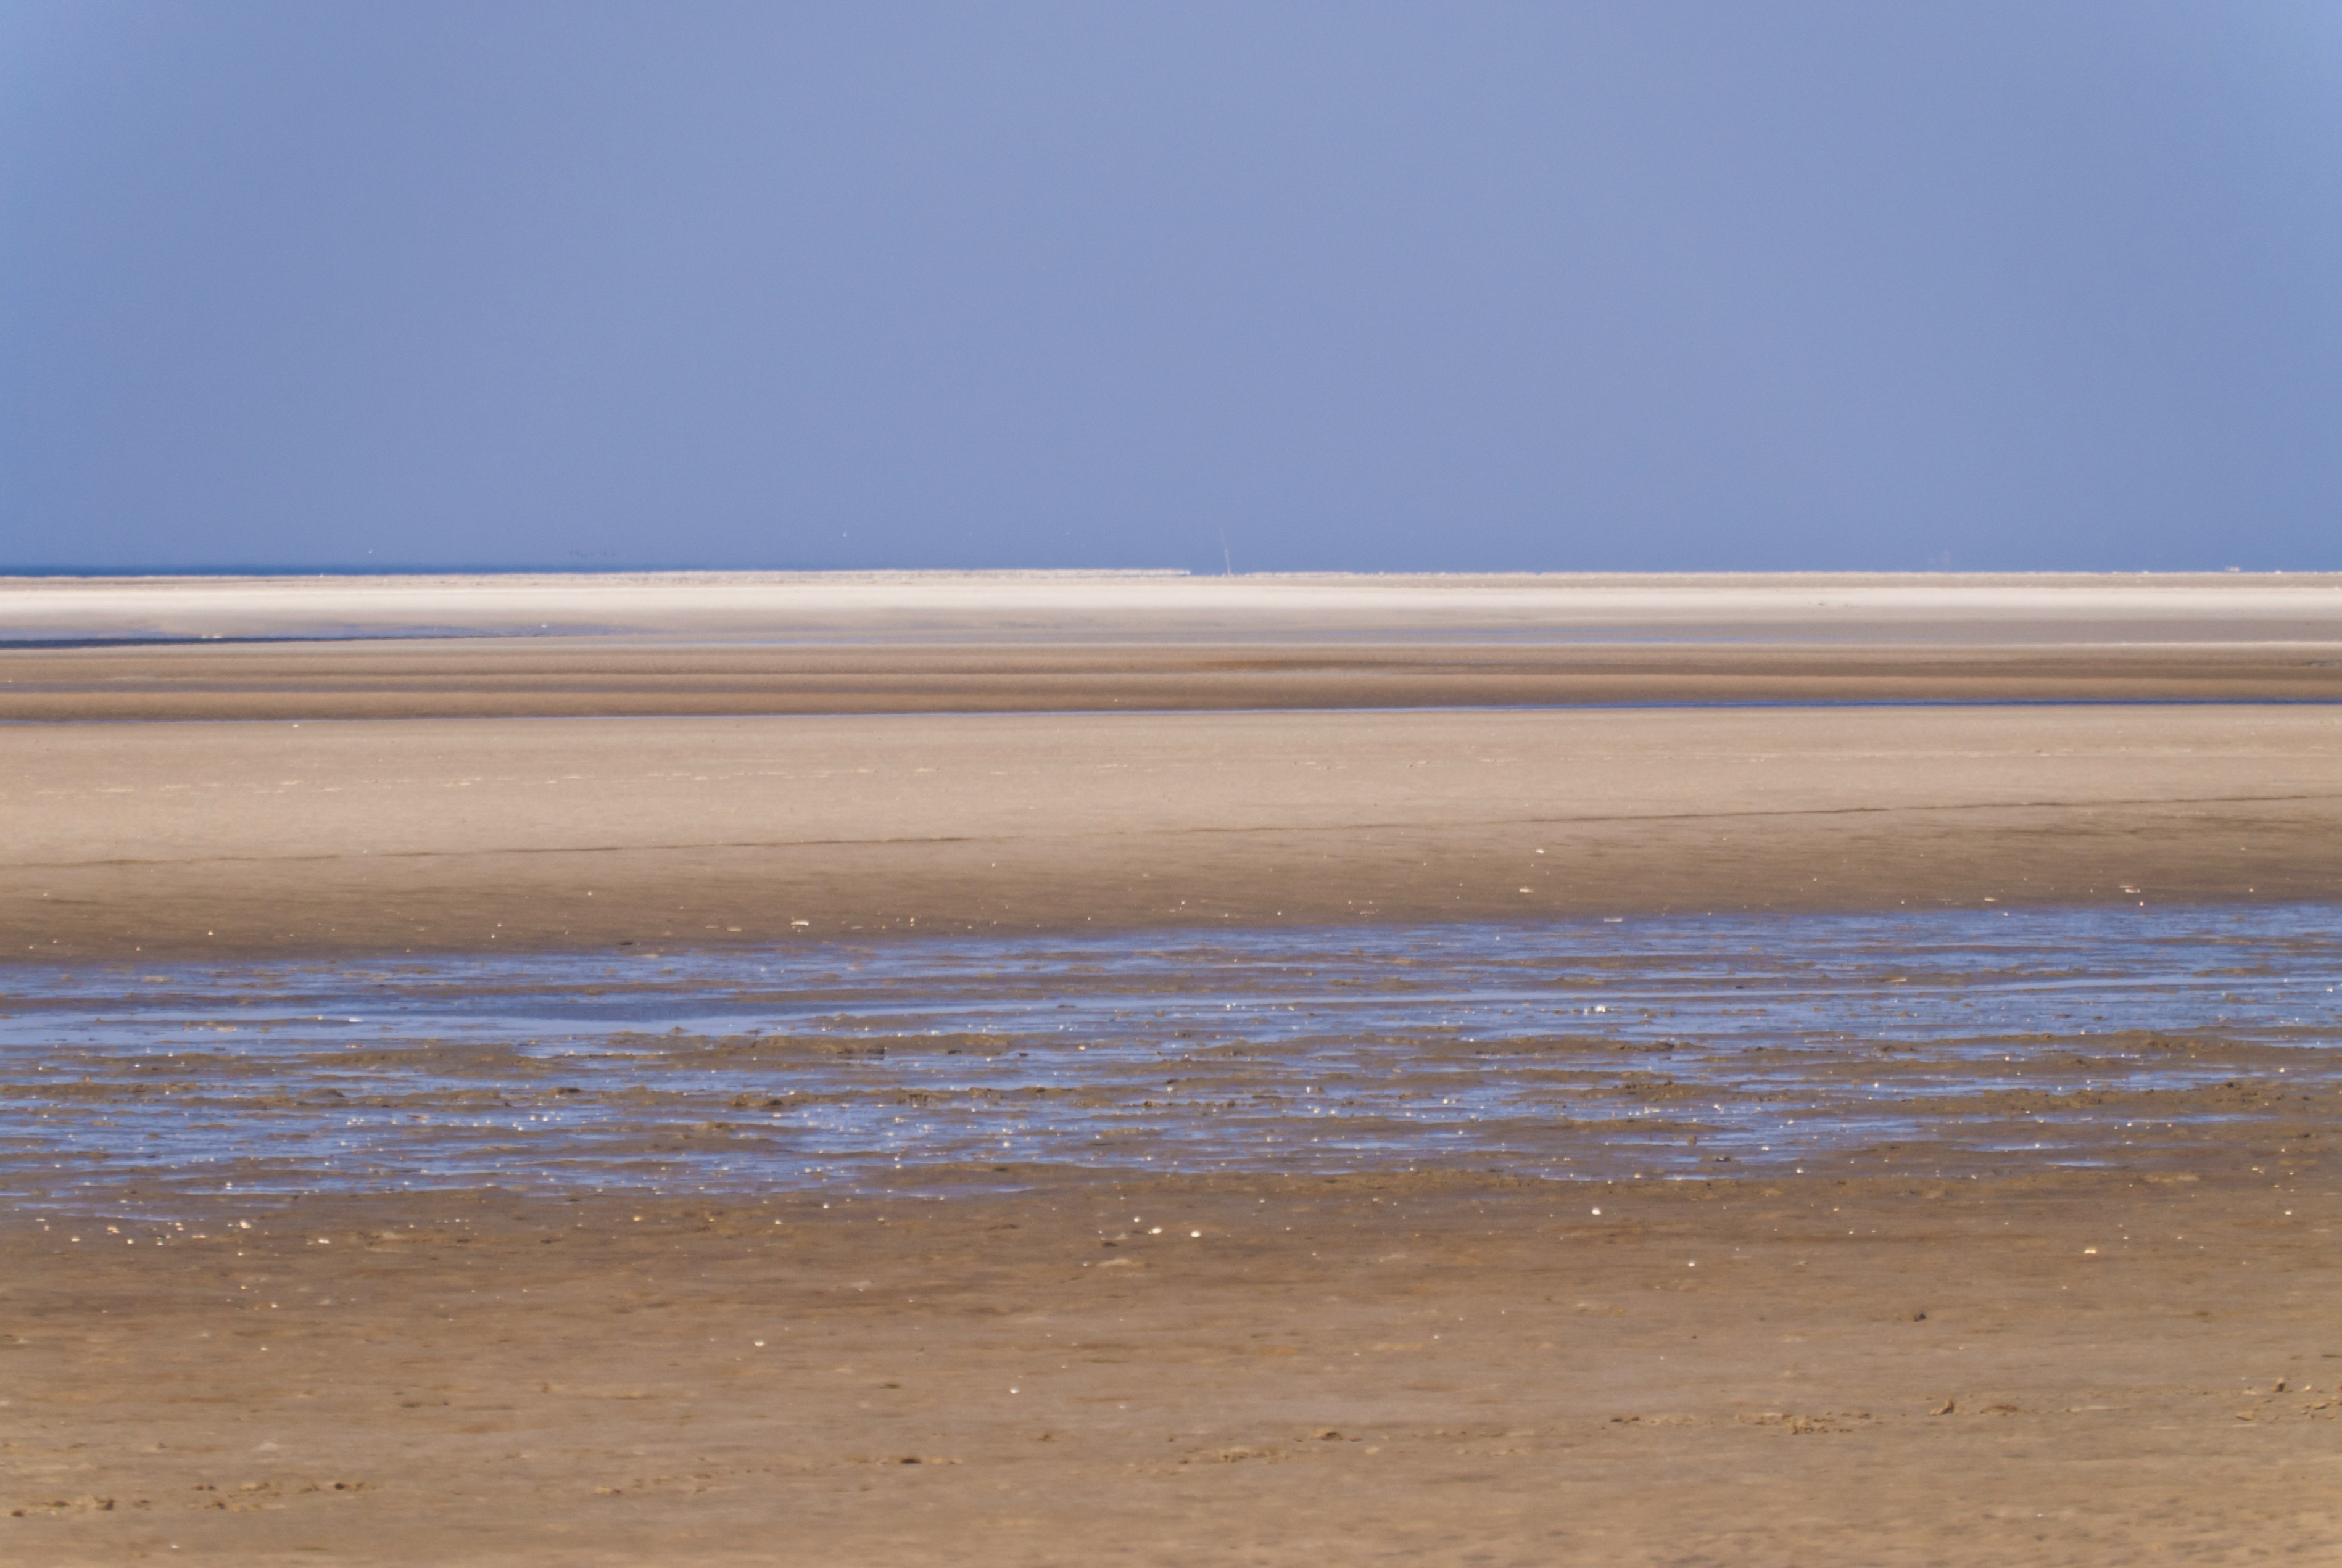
(175,839)
(2072,608)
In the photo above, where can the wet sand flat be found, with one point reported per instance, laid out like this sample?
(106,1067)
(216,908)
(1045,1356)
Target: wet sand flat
(2072,1308)
(1936,1044)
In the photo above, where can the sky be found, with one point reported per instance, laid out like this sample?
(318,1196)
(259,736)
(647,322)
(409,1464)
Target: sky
(1252,285)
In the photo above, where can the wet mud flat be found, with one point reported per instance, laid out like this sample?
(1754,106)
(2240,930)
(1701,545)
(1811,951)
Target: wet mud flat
(1913,1239)
(1946,1044)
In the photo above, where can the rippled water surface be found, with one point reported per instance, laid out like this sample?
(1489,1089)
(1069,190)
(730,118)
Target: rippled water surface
(1663,1047)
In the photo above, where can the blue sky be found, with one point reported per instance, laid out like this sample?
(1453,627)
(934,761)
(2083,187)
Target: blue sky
(1343,287)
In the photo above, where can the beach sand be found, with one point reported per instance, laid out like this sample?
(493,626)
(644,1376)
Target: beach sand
(1709,1372)
(2060,1369)
(165,839)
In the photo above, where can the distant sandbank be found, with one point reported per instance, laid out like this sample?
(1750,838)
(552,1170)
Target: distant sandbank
(736,758)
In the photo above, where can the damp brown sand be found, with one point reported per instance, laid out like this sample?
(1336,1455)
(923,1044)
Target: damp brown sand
(590,676)
(2059,1368)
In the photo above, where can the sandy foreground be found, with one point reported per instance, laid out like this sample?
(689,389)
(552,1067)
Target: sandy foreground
(2060,1369)
(1904,1366)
